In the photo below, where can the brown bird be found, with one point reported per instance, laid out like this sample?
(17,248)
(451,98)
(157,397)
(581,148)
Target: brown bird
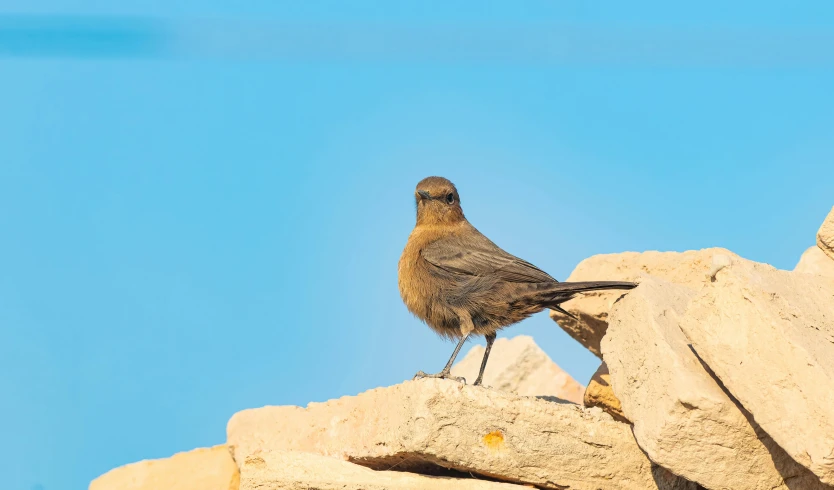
(460,283)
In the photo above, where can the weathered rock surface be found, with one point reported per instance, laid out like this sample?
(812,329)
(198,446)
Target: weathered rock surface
(691,268)
(768,335)
(430,425)
(201,469)
(825,236)
(814,261)
(682,418)
(519,366)
(600,394)
(293,470)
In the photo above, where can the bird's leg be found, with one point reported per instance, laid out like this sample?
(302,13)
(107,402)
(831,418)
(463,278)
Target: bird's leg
(490,338)
(447,371)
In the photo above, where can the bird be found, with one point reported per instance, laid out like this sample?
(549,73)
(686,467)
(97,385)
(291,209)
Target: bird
(461,284)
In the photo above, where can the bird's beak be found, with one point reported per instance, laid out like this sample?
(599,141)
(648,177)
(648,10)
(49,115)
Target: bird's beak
(424,194)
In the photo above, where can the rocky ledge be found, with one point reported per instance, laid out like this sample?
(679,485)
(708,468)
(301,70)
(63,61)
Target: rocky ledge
(441,427)
(718,373)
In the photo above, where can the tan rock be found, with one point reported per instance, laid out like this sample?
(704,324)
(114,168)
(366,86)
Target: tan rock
(825,236)
(293,470)
(201,469)
(429,424)
(814,261)
(600,394)
(519,366)
(769,336)
(682,418)
(692,268)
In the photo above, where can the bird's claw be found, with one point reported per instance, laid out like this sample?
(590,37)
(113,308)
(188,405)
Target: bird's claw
(440,375)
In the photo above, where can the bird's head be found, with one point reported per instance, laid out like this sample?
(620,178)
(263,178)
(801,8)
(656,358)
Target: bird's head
(437,202)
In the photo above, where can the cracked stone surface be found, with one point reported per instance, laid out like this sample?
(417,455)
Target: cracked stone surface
(768,335)
(293,470)
(432,425)
(682,418)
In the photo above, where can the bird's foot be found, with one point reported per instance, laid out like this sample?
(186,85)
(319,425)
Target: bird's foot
(441,375)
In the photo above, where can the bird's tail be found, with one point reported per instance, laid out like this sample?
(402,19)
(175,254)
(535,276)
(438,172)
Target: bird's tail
(585,286)
(558,293)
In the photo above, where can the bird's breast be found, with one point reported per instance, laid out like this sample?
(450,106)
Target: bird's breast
(418,286)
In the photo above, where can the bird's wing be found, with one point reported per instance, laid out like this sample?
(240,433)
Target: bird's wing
(475,255)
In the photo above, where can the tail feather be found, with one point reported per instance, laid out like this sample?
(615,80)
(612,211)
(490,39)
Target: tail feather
(558,293)
(563,311)
(581,287)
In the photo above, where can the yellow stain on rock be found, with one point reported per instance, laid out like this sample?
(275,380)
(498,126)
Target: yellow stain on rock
(494,440)
(256,461)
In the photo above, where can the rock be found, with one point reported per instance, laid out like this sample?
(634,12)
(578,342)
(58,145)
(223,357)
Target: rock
(682,418)
(430,426)
(600,394)
(292,470)
(519,366)
(719,261)
(200,469)
(692,268)
(768,335)
(814,261)
(825,236)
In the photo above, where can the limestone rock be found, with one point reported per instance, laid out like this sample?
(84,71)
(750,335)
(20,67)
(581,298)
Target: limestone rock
(682,418)
(691,268)
(293,470)
(814,261)
(433,425)
(768,335)
(600,394)
(825,236)
(519,366)
(201,469)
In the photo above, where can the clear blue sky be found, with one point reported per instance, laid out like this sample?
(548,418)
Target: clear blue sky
(202,206)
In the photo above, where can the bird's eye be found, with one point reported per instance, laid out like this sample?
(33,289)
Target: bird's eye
(450,198)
